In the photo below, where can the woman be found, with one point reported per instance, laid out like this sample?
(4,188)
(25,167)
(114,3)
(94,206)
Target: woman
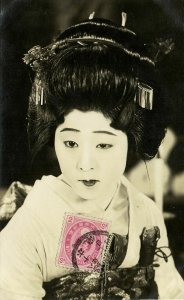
(89,234)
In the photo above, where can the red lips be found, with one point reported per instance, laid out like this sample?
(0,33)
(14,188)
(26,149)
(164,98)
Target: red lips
(90,182)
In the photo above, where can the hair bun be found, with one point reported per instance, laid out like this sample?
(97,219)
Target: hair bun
(102,31)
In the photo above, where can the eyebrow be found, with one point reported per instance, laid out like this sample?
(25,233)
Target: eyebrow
(70,129)
(96,131)
(104,131)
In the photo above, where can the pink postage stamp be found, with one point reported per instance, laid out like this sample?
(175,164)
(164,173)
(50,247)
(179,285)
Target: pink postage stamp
(82,242)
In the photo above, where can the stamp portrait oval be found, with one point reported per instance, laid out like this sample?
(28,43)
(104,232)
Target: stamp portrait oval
(82,242)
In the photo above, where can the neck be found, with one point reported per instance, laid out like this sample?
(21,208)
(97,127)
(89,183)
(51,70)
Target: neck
(102,201)
(106,200)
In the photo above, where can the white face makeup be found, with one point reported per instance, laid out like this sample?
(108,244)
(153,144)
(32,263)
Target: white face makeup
(92,155)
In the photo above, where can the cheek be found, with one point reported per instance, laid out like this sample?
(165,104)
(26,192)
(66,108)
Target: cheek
(114,165)
(64,159)
(119,159)
(60,154)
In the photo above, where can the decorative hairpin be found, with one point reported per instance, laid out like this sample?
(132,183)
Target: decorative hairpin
(123,19)
(91,16)
(144,96)
(160,48)
(39,93)
(37,56)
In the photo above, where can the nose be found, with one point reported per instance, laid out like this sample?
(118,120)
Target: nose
(86,161)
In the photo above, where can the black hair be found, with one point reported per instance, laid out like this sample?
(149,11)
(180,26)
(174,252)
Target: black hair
(97,67)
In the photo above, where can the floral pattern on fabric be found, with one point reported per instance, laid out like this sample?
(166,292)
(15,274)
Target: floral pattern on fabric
(113,282)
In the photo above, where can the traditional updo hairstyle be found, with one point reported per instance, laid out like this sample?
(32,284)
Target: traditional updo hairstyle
(95,65)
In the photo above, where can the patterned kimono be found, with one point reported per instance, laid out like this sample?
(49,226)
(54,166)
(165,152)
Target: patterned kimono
(137,263)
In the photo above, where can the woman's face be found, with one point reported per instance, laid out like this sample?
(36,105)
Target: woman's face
(92,155)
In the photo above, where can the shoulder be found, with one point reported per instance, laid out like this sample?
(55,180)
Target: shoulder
(39,202)
(43,184)
(48,200)
(43,190)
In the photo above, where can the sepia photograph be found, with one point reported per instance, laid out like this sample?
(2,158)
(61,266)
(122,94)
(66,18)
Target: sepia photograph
(92,150)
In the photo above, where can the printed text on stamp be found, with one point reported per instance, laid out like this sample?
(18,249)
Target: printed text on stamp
(82,243)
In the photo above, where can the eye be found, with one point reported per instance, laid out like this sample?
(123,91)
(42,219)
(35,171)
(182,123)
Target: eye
(104,146)
(71,144)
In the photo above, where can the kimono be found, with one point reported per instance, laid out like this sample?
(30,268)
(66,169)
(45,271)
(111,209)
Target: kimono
(137,265)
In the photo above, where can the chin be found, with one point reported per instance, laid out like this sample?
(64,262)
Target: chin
(87,195)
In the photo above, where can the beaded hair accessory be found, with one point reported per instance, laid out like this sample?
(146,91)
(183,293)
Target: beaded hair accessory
(37,56)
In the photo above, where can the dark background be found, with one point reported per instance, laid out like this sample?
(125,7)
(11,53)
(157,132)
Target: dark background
(31,22)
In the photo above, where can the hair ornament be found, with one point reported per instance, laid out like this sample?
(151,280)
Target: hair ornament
(144,96)
(91,16)
(39,93)
(123,19)
(160,48)
(81,43)
(36,55)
